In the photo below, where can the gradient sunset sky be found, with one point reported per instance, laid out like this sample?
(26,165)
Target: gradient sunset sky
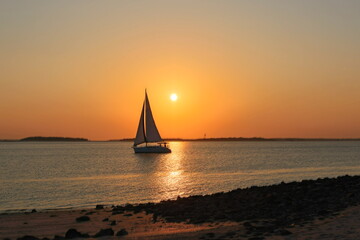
(239,68)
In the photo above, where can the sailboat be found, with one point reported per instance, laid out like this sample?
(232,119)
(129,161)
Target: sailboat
(148,139)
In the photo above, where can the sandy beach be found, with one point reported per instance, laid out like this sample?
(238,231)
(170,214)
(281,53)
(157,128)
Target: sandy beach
(138,226)
(345,225)
(319,209)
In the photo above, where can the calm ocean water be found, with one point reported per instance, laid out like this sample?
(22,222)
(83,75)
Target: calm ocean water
(46,175)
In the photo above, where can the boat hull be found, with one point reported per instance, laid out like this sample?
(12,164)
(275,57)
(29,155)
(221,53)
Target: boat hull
(152,149)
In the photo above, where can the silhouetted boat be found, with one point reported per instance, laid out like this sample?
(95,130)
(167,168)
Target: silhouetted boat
(148,134)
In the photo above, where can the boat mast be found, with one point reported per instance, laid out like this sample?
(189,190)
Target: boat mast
(144,118)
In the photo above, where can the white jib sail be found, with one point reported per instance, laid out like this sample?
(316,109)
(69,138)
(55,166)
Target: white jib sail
(140,135)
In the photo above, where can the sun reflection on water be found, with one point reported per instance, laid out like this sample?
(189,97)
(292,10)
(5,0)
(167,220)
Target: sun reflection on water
(171,178)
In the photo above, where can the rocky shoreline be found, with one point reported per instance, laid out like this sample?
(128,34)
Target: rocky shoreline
(252,213)
(280,205)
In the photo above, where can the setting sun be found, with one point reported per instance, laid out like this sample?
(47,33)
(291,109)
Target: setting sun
(173,97)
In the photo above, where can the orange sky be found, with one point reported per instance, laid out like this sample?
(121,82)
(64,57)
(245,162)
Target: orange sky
(240,68)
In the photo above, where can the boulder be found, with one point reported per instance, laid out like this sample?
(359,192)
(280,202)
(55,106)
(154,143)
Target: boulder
(83,219)
(72,233)
(105,232)
(99,206)
(122,232)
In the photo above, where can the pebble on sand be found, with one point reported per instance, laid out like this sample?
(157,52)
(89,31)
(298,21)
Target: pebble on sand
(83,219)
(105,232)
(122,232)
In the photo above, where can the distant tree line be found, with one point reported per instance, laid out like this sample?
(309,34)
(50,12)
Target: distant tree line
(59,139)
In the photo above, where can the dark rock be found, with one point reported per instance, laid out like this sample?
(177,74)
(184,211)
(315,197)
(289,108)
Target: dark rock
(99,206)
(56,237)
(105,219)
(210,235)
(230,234)
(105,232)
(113,223)
(122,232)
(72,233)
(117,212)
(28,237)
(323,212)
(33,211)
(282,232)
(154,218)
(129,206)
(128,215)
(89,213)
(83,219)
(247,224)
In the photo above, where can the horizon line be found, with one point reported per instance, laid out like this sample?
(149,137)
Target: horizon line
(55,138)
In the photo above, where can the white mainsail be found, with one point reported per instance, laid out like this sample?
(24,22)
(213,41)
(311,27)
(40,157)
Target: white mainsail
(147,130)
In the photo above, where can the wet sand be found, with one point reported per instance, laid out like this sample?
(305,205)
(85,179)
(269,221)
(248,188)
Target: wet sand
(346,225)
(319,209)
(140,225)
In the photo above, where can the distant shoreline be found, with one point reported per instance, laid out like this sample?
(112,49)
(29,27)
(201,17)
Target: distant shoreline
(46,139)
(225,139)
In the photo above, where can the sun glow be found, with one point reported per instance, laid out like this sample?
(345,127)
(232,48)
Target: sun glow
(173,97)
